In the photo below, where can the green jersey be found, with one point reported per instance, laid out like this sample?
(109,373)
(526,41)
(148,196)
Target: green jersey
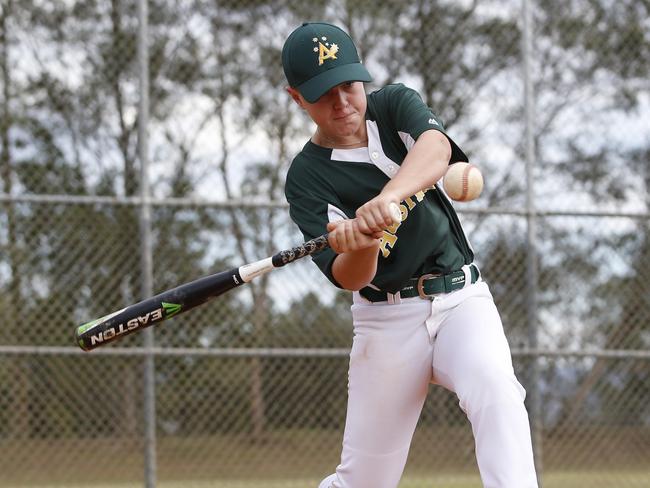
(325,184)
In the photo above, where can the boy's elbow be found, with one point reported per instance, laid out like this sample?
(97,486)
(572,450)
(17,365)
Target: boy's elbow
(355,285)
(354,281)
(355,270)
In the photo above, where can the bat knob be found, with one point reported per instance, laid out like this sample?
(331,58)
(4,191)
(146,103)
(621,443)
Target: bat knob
(396,213)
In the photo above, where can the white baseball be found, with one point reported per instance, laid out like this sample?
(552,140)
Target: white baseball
(463,182)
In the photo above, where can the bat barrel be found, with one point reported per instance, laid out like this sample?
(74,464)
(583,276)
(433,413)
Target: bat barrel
(124,322)
(156,309)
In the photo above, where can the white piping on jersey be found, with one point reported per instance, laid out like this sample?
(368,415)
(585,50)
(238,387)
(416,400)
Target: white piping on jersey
(408,141)
(356,155)
(374,153)
(334,213)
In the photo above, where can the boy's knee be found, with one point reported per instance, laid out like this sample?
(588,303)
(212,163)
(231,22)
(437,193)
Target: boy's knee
(489,387)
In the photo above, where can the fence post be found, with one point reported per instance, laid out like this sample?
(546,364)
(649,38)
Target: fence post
(535,409)
(146,249)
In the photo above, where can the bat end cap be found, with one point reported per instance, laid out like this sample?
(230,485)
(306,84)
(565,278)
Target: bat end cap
(79,341)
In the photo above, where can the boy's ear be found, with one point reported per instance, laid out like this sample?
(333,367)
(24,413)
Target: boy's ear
(295,94)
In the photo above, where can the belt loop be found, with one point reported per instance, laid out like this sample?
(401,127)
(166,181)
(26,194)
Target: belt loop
(468,275)
(394,298)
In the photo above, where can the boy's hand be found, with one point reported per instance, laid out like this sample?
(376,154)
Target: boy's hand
(346,236)
(378,214)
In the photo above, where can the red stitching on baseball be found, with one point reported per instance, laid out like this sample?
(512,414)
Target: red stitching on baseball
(466,182)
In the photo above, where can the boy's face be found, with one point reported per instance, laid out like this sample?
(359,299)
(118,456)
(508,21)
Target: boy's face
(340,112)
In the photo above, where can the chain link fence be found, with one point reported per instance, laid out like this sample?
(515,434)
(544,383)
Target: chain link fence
(550,99)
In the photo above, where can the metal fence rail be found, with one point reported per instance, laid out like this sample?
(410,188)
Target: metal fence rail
(312,352)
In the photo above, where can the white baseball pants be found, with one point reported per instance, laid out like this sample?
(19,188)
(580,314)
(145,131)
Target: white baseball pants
(457,341)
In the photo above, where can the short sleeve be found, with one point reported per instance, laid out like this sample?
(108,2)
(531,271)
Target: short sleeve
(412,116)
(310,211)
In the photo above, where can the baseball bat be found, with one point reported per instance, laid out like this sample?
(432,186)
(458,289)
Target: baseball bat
(185,297)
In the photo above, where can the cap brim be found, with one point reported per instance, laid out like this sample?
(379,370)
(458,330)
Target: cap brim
(315,88)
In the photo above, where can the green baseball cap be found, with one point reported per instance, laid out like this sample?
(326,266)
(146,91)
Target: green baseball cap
(318,56)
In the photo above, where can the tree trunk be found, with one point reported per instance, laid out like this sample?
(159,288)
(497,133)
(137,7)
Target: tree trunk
(19,419)
(131,284)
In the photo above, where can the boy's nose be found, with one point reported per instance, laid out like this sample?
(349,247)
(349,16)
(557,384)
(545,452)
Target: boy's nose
(340,98)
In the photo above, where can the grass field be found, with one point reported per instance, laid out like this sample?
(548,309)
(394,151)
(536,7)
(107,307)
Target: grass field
(597,479)
(561,479)
(442,458)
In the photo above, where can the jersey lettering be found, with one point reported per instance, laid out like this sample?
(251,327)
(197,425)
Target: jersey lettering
(388,241)
(393,228)
(411,204)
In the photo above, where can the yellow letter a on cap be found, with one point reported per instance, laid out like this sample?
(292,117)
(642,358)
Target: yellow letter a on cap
(326,53)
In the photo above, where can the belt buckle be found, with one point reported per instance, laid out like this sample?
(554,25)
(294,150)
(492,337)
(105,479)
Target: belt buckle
(420,286)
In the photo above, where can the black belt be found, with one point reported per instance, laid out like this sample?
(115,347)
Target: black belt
(427,285)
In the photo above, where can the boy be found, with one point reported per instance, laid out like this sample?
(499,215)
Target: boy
(421,313)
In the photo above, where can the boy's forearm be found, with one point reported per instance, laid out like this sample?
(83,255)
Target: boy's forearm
(425,164)
(356,269)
